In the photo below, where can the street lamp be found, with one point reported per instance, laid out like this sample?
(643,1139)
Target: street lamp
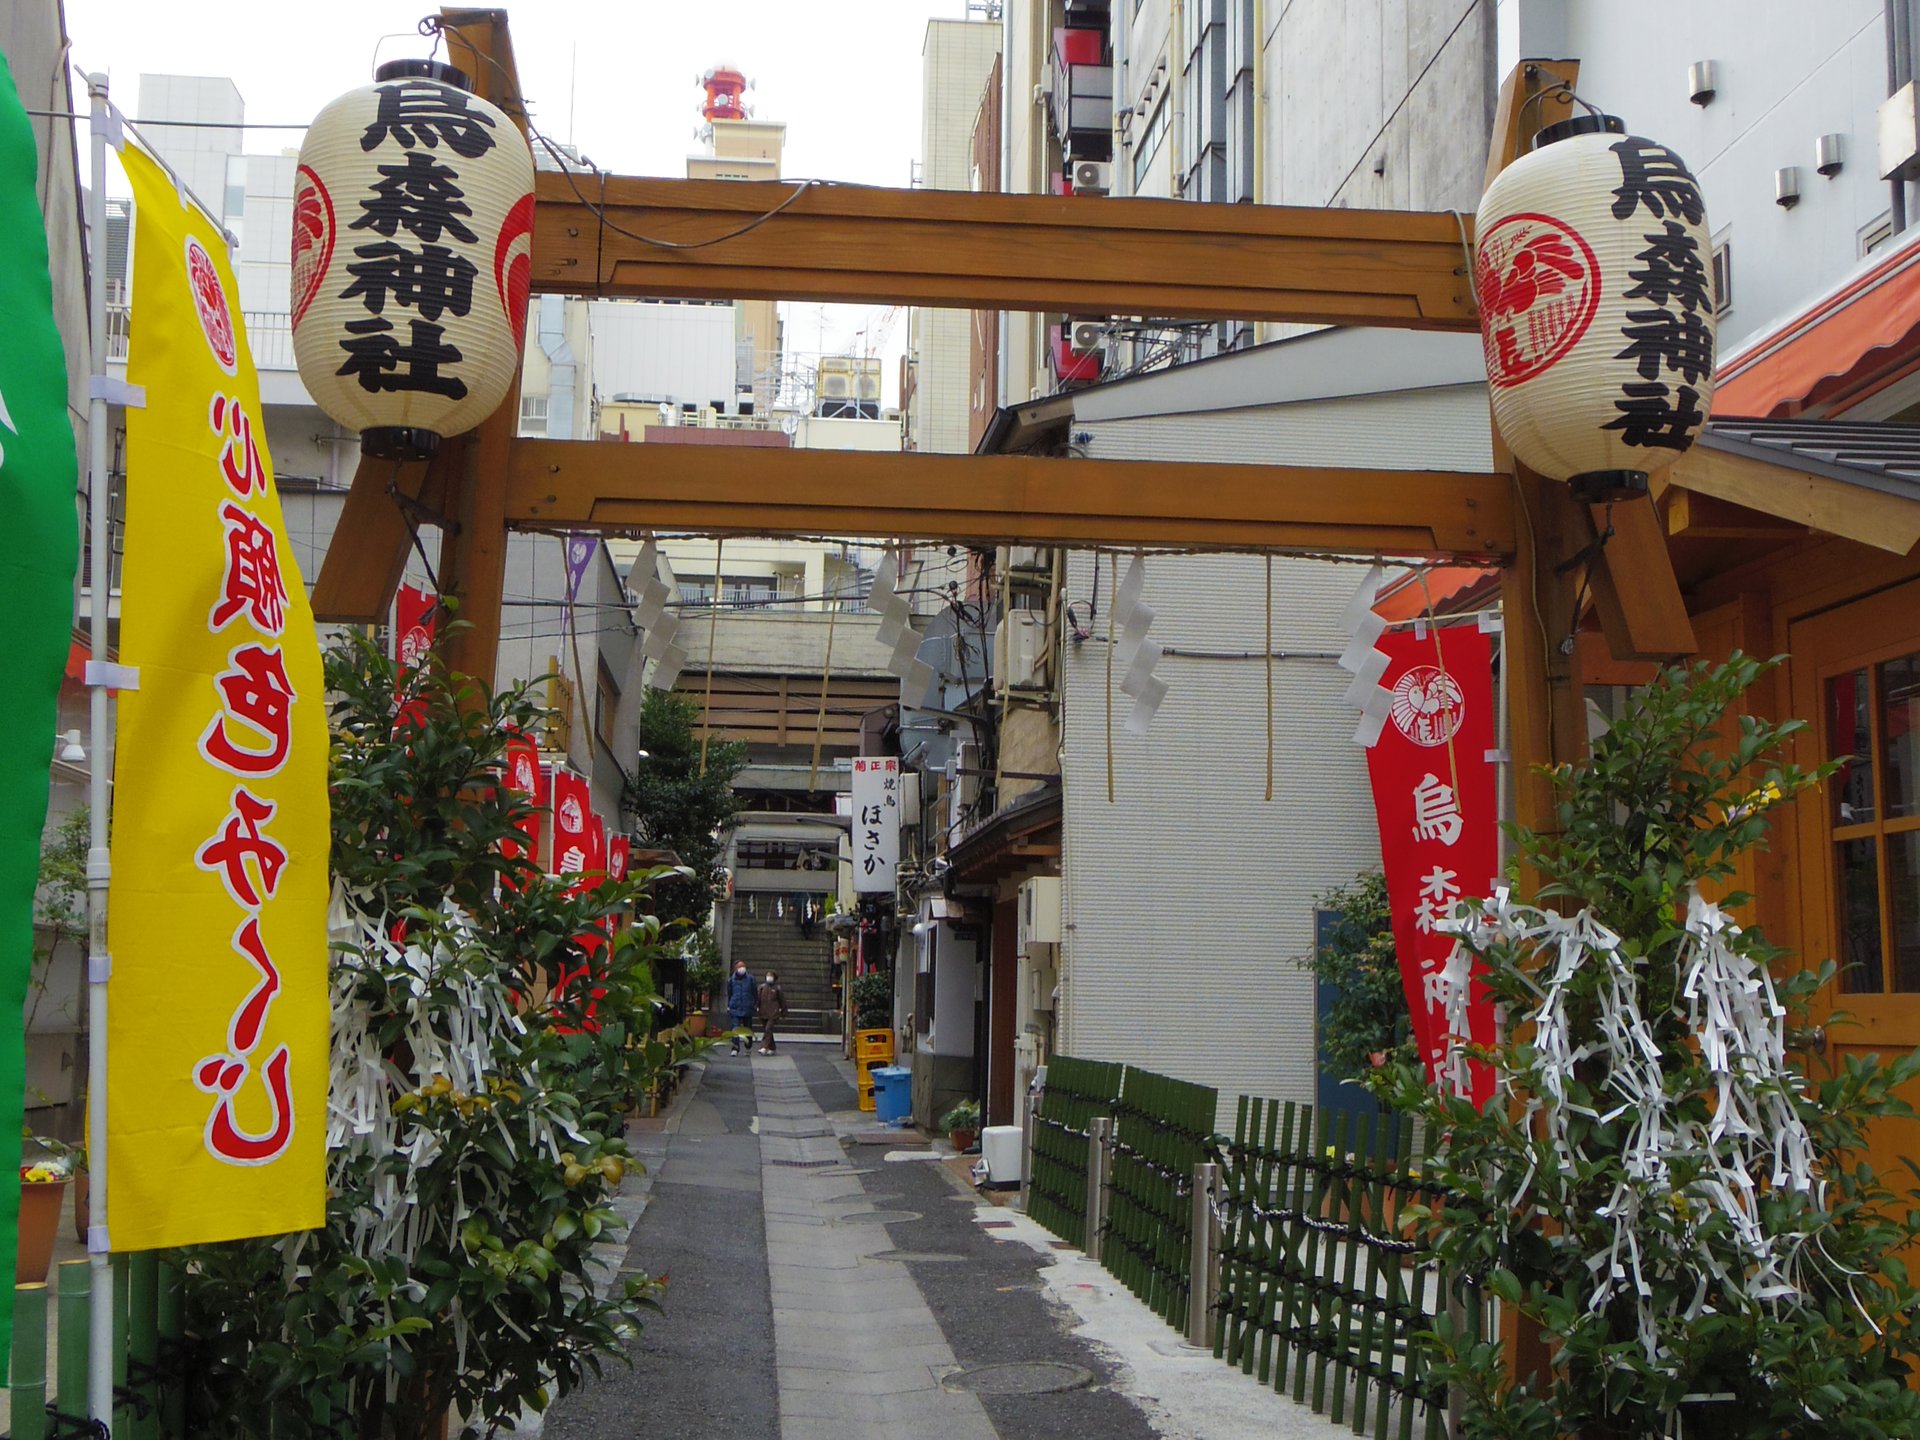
(72,752)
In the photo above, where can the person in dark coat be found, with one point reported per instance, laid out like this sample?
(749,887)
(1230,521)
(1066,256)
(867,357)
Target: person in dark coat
(741,999)
(773,1007)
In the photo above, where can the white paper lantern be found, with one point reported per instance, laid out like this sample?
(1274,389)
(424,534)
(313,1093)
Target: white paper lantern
(1593,270)
(412,255)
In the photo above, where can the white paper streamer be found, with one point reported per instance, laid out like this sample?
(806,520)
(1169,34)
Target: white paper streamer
(1754,1137)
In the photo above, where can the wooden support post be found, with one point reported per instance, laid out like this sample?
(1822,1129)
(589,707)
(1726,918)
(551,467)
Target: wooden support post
(473,556)
(1099,1164)
(1203,1276)
(1547,725)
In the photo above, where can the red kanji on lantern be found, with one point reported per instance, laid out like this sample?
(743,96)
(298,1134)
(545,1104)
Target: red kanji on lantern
(239,841)
(239,452)
(253,582)
(255,696)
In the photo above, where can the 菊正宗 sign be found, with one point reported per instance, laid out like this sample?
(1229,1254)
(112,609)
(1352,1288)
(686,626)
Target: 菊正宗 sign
(876,823)
(218,1003)
(1434,794)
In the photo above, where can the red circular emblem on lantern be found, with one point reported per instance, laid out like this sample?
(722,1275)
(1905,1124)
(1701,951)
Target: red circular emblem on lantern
(313,235)
(210,299)
(1538,285)
(1428,705)
(513,265)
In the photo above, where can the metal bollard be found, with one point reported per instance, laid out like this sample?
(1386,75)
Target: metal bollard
(1203,1283)
(1099,1167)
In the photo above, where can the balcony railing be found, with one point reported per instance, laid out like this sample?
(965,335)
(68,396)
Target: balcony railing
(269,336)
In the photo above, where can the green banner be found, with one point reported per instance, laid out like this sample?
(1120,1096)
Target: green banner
(38,550)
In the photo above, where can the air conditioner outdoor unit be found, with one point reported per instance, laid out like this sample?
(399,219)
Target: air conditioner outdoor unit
(1019,646)
(1038,913)
(1092,177)
(1087,337)
(1024,557)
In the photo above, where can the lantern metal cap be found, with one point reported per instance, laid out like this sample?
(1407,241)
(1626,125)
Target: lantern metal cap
(1602,487)
(1594,124)
(399,442)
(423,70)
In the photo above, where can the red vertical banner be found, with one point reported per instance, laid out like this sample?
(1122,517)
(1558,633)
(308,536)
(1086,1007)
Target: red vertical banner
(1435,795)
(572,806)
(619,857)
(522,778)
(413,613)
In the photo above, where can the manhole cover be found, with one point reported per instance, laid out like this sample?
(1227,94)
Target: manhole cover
(1018,1377)
(919,1257)
(879,1217)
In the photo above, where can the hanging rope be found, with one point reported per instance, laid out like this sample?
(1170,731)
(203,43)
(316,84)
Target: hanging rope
(1446,681)
(1269,678)
(1113,602)
(1006,672)
(826,671)
(713,621)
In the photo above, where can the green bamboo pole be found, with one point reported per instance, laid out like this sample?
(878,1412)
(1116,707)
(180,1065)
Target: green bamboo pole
(27,1378)
(171,1327)
(122,1303)
(143,1343)
(74,1290)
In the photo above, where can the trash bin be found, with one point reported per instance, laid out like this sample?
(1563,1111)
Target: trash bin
(892,1093)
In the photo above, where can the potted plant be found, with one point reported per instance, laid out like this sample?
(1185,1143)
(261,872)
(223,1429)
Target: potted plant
(43,1192)
(962,1124)
(705,974)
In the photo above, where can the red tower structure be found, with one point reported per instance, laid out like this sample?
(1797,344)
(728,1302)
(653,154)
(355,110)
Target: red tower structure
(725,87)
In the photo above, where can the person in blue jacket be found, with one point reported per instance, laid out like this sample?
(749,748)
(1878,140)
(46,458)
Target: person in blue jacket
(742,999)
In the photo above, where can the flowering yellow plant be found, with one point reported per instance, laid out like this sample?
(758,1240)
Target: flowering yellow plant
(45,1172)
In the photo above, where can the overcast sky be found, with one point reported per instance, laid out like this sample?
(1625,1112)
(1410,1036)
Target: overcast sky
(617,77)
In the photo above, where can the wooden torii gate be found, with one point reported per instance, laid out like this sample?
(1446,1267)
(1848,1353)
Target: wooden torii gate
(1017,252)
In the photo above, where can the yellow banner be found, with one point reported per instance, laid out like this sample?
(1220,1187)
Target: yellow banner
(218,1002)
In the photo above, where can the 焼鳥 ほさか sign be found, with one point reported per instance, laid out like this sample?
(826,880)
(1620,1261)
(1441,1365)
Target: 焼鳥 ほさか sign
(36,591)
(876,823)
(1434,794)
(1593,269)
(412,256)
(218,998)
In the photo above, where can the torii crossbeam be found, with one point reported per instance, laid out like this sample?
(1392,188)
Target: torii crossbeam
(1012,252)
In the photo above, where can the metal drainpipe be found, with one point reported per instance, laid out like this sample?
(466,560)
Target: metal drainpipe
(1003,321)
(1899,72)
(562,367)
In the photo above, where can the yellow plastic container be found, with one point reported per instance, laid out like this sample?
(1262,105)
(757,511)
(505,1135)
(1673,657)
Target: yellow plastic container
(872,1045)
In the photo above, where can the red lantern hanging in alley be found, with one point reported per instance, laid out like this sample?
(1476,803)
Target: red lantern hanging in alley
(412,255)
(1593,270)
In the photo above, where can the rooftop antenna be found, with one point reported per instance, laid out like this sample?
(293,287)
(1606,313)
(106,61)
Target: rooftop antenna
(573,87)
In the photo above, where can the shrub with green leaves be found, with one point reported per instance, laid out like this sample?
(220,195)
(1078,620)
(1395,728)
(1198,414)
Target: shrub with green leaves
(1368,1023)
(476,1107)
(1655,1284)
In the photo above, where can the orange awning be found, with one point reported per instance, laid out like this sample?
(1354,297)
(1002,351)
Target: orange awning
(1856,337)
(1404,599)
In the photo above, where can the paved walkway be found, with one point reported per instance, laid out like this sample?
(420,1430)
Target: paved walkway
(826,1287)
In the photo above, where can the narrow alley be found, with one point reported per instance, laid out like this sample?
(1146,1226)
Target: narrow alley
(828,1278)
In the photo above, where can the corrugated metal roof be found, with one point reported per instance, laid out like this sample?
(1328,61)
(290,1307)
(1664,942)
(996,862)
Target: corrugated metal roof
(1874,455)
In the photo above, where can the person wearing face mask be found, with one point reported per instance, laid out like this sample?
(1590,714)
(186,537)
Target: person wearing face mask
(773,1007)
(740,1003)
